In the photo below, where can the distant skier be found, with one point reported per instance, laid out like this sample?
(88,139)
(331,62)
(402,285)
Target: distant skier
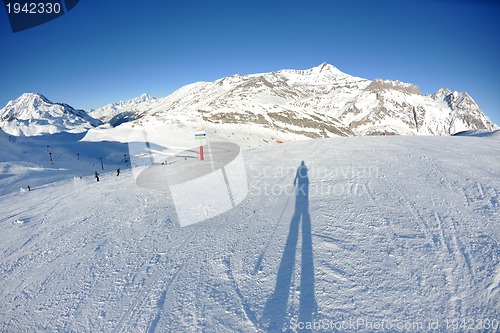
(118,171)
(96,176)
(29,188)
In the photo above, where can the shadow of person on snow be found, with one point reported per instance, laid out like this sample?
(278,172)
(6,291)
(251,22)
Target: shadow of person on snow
(274,317)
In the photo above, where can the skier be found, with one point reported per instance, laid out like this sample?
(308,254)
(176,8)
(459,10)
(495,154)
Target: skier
(118,171)
(29,188)
(96,176)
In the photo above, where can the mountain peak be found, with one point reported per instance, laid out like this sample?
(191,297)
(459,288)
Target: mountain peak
(32,95)
(140,99)
(441,94)
(455,99)
(145,97)
(110,111)
(324,67)
(31,98)
(33,114)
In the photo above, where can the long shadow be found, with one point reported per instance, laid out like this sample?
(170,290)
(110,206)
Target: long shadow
(275,312)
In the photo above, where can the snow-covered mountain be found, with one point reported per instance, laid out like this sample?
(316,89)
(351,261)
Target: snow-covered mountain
(123,111)
(297,104)
(264,108)
(33,114)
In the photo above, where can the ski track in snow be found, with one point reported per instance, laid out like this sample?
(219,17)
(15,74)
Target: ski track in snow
(147,292)
(403,229)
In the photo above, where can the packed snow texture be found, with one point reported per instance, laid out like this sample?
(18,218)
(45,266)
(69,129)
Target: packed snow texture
(394,230)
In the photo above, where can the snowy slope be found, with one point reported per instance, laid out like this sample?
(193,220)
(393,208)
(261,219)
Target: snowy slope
(27,160)
(33,114)
(316,103)
(394,230)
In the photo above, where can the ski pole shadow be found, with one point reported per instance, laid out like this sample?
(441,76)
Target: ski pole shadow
(274,317)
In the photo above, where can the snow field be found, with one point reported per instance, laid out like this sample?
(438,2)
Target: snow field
(394,231)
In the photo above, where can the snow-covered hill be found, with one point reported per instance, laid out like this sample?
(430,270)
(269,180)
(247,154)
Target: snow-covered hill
(43,159)
(315,103)
(33,114)
(398,233)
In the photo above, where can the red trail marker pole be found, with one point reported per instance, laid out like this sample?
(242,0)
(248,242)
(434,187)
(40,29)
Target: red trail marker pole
(200,135)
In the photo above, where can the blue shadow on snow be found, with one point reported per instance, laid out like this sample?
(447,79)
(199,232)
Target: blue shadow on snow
(275,312)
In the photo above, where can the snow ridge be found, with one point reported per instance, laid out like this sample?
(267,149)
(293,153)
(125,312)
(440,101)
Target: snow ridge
(286,105)
(108,112)
(319,102)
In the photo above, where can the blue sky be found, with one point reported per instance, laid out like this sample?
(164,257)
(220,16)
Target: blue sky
(105,51)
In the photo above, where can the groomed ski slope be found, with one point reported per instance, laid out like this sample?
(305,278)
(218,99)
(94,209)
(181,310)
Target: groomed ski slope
(396,234)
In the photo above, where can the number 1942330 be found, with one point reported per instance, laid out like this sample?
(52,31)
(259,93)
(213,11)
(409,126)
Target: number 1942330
(473,325)
(33,8)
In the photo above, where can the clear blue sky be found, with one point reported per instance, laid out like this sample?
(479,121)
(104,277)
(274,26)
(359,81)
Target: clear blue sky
(105,51)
